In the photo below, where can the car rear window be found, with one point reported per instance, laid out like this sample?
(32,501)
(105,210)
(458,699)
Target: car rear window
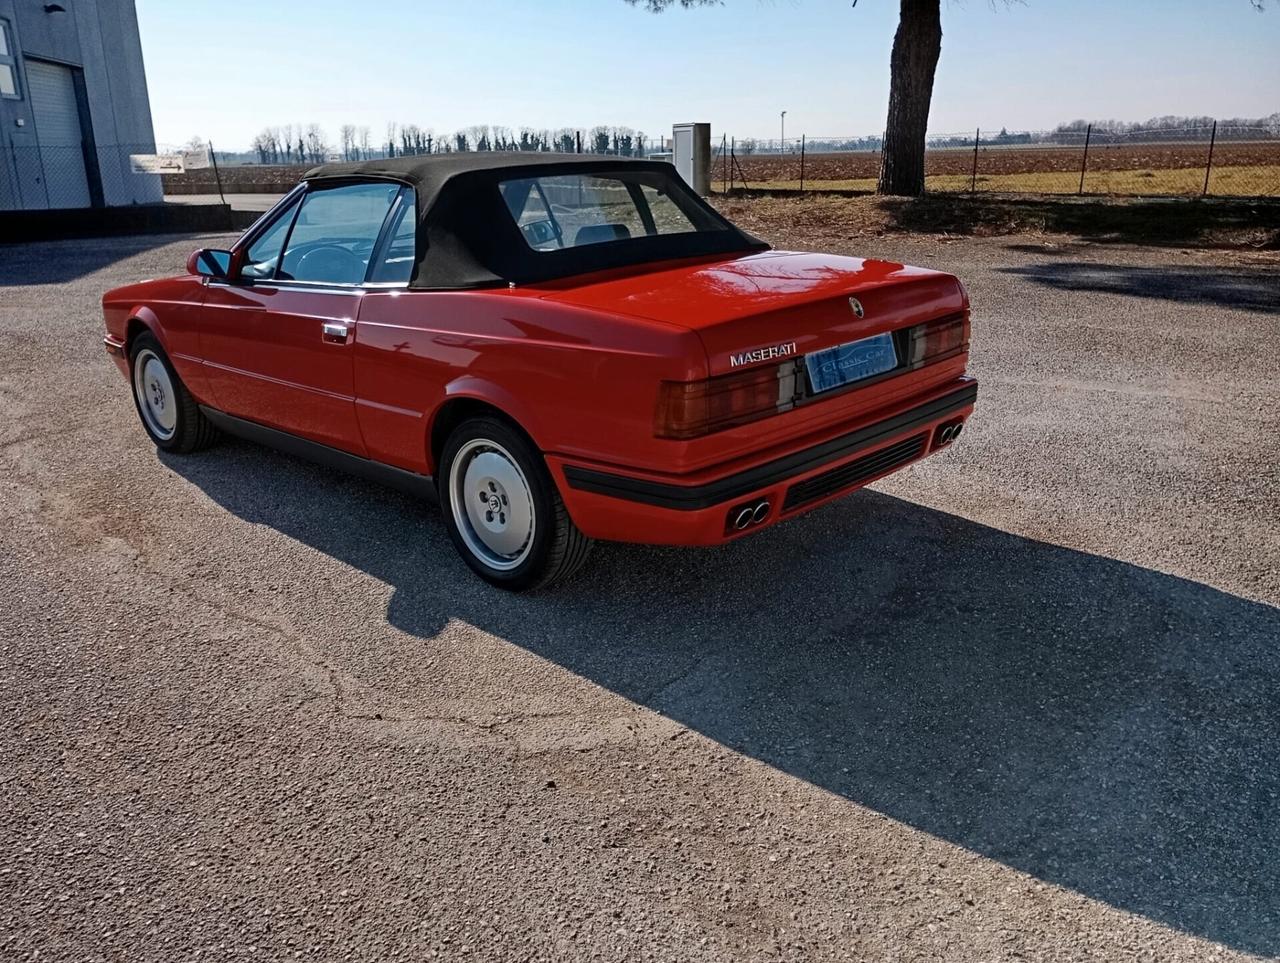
(574,210)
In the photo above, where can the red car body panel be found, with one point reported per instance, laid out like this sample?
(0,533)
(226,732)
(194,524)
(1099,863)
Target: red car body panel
(292,378)
(172,309)
(762,299)
(544,364)
(576,363)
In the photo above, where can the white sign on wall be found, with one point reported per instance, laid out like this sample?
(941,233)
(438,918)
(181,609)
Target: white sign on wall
(156,163)
(198,159)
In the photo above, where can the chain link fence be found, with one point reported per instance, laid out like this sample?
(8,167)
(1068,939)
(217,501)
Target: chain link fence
(1216,160)
(52,176)
(1189,161)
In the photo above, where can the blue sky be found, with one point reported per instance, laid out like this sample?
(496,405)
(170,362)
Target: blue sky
(226,70)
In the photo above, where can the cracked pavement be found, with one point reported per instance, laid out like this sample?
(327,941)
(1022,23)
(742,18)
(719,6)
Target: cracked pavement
(1021,701)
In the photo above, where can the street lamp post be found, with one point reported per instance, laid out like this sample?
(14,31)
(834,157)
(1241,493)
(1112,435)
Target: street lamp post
(782,139)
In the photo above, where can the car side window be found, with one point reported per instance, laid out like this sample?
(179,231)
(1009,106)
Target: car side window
(334,233)
(396,264)
(264,253)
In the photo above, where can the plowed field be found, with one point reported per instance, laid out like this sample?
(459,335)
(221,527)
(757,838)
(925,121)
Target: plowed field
(1238,169)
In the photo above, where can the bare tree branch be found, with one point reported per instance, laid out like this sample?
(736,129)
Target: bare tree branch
(657,6)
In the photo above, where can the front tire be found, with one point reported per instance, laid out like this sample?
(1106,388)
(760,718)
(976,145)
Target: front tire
(502,509)
(169,414)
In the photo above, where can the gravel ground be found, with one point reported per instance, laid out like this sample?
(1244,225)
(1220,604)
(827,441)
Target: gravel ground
(1021,701)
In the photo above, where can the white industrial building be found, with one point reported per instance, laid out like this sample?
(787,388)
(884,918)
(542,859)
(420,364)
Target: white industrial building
(73,106)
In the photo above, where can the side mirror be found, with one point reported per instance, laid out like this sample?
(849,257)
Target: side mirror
(540,232)
(209,263)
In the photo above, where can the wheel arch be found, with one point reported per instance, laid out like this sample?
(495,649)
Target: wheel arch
(142,320)
(474,399)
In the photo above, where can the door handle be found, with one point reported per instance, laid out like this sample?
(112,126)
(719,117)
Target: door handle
(336,332)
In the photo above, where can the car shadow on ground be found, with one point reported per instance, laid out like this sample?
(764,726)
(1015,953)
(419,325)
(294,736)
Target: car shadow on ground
(1093,723)
(1249,289)
(57,262)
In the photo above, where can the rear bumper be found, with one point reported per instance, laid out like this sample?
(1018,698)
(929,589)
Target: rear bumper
(611,504)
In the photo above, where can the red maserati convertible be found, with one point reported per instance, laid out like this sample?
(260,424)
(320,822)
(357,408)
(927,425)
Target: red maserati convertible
(559,348)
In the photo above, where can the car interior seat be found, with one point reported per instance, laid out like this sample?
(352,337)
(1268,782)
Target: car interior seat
(596,233)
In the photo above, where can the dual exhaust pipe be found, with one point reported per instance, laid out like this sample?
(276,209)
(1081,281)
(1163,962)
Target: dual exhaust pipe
(749,515)
(754,513)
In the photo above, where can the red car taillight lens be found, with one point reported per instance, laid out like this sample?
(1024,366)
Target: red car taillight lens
(933,339)
(689,409)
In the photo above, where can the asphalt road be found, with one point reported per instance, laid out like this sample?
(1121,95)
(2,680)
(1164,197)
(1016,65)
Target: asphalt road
(1021,701)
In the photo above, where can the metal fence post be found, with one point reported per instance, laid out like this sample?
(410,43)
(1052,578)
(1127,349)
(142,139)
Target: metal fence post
(732,160)
(1084,162)
(1208,167)
(213,159)
(973,180)
(802,163)
(724,162)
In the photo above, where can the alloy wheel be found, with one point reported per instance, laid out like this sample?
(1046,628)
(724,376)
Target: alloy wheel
(492,504)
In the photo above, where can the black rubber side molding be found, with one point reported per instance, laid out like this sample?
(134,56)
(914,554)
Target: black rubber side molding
(693,497)
(406,481)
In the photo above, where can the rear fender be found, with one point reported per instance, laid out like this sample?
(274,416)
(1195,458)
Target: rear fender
(473,388)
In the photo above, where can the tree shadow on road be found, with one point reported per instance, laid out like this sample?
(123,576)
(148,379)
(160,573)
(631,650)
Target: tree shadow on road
(57,262)
(1095,724)
(1250,289)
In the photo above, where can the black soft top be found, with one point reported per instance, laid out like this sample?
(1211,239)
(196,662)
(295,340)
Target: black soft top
(467,238)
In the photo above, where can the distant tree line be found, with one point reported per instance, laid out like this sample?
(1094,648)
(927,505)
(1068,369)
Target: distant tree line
(1175,128)
(746,146)
(1168,128)
(291,144)
(299,144)
(410,139)
(308,144)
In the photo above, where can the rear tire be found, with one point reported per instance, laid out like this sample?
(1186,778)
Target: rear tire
(502,509)
(166,409)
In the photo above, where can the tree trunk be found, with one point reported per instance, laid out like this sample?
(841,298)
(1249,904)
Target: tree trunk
(916,47)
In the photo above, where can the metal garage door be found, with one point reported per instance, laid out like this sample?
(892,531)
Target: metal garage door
(57,115)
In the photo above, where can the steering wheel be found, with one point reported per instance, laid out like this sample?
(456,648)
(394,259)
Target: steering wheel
(330,263)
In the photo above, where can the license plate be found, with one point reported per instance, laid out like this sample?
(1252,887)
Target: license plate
(846,363)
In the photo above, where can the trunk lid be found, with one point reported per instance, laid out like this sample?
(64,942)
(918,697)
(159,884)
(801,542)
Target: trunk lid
(774,304)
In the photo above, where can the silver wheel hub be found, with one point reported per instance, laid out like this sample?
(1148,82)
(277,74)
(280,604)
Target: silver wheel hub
(156,397)
(492,504)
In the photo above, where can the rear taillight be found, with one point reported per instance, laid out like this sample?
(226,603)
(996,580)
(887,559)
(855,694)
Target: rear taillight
(690,409)
(934,339)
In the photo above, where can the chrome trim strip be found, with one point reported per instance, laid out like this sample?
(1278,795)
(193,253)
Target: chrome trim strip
(278,381)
